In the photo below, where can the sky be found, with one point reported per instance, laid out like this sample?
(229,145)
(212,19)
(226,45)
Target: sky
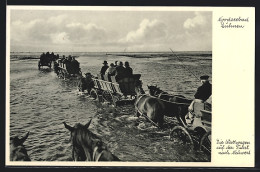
(109,31)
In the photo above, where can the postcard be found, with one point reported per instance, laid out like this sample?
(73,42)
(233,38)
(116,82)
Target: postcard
(130,86)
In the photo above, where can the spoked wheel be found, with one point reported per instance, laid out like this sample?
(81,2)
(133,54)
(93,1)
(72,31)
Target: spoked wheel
(94,94)
(180,135)
(60,74)
(205,143)
(80,89)
(109,97)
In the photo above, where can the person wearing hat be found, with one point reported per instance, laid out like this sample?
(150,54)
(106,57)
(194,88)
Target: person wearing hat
(202,94)
(205,90)
(103,69)
(116,63)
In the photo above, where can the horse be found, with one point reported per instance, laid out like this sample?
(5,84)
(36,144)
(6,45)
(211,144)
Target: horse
(86,146)
(175,105)
(86,83)
(17,149)
(149,106)
(157,92)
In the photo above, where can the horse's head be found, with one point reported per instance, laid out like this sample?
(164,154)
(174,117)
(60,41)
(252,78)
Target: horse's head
(138,88)
(15,141)
(77,127)
(80,137)
(154,90)
(17,149)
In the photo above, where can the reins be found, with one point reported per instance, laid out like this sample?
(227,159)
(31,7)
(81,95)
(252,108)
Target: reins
(166,94)
(139,98)
(185,67)
(170,101)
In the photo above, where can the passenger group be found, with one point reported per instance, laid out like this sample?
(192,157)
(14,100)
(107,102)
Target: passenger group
(119,70)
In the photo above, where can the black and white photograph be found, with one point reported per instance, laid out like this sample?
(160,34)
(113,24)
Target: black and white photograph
(123,84)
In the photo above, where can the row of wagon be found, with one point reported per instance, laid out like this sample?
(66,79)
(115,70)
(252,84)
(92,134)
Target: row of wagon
(116,92)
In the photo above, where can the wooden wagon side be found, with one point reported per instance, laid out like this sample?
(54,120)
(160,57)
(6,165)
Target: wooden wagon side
(64,71)
(199,132)
(110,90)
(44,62)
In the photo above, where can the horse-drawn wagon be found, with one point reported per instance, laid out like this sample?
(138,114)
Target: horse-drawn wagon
(70,69)
(112,90)
(199,131)
(44,61)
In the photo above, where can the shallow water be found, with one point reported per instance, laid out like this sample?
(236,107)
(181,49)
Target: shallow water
(40,102)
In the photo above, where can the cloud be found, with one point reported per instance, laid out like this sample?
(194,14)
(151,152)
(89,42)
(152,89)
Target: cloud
(198,20)
(60,38)
(57,20)
(147,31)
(86,32)
(56,30)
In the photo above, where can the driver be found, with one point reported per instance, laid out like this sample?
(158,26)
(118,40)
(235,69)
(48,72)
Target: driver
(202,94)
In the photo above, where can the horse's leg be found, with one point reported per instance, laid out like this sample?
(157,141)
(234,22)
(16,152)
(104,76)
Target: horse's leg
(73,154)
(87,153)
(137,113)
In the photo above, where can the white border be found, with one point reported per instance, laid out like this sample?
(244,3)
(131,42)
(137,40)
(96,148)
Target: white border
(216,161)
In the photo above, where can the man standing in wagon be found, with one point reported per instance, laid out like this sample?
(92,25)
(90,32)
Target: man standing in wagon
(202,94)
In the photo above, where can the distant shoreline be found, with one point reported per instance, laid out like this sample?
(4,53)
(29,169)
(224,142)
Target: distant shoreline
(182,54)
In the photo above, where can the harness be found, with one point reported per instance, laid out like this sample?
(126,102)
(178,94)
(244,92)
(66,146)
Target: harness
(142,113)
(139,98)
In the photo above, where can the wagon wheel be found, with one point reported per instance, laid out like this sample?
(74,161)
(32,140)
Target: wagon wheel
(66,75)
(205,143)
(109,97)
(180,134)
(63,75)
(181,116)
(60,74)
(80,89)
(94,94)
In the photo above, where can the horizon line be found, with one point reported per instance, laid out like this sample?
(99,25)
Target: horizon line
(108,51)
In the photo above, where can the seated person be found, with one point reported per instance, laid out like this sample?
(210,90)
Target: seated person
(42,57)
(120,71)
(116,63)
(128,70)
(111,70)
(202,94)
(103,69)
(75,65)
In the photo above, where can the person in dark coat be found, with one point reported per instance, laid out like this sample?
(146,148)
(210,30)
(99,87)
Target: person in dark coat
(120,71)
(47,56)
(42,57)
(202,94)
(128,70)
(205,90)
(52,56)
(75,65)
(116,63)
(103,69)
